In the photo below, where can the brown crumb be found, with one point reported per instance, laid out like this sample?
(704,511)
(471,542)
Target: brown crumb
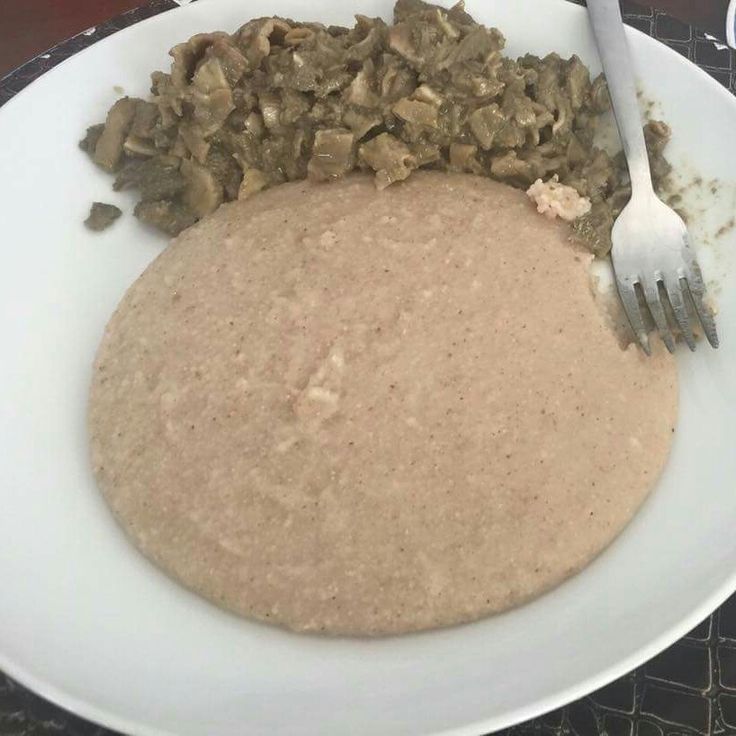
(102,215)
(726,227)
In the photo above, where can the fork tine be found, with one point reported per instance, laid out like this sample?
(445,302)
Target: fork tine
(677,302)
(627,292)
(697,294)
(651,295)
(693,278)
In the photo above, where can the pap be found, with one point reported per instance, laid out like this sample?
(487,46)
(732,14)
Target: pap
(366,412)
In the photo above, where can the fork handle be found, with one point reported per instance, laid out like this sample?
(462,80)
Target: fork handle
(608,30)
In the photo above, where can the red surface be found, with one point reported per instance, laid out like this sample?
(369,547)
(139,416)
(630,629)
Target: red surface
(28,27)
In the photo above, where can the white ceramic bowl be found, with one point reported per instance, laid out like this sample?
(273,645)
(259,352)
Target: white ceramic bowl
(89,623)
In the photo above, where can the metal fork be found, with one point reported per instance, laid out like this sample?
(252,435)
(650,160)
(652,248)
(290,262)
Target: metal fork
(651,248)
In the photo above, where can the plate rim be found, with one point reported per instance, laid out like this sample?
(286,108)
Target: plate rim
(106,718)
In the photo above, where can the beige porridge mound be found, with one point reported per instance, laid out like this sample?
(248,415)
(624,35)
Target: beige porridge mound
(360,412)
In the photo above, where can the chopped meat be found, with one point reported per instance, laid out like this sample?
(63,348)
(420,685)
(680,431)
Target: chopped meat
(281,100)
(101,216)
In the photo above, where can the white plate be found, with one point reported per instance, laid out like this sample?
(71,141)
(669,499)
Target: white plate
(89,623)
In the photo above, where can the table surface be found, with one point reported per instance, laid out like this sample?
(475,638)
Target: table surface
(29,27)
(690,689)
